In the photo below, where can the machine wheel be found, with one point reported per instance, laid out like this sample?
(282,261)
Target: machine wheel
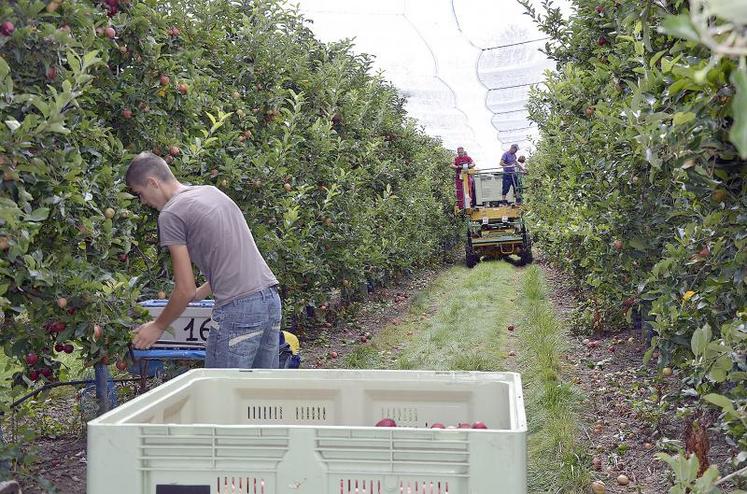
(470,257)
(526,256)
(526,253)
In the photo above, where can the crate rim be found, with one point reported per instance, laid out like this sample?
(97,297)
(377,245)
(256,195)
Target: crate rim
(121,415)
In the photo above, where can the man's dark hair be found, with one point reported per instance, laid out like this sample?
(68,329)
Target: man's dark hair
(147,164)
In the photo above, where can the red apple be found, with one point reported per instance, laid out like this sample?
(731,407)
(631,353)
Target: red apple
(32,359)
(617,245)
(602,40)
(127,114)
(97,331)
(599,9)
(438,425)
(386,423)
(57,327)
(332,354)
(174,150)
(59,347)
(62,302)
(52,73)
(7,28)
(121,365)
(182,88)
(110,32)
(479,425)
(34,375)
(69,348)
(46,372)
(164,81)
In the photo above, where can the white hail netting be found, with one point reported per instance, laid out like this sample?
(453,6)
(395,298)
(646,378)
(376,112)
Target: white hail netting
(465,66)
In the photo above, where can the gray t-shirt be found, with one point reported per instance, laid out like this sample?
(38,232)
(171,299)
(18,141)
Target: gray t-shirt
(218,239)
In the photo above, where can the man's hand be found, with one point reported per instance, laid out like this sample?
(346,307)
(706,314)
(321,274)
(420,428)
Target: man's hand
(146,335)
(202,292)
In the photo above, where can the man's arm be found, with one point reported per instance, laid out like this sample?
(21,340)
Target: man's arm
(184,292)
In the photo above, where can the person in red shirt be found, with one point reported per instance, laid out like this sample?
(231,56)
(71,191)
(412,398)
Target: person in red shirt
(460,161)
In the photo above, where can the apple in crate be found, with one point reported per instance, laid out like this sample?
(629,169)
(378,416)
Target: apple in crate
(438,425)
(386,423)
(479,425)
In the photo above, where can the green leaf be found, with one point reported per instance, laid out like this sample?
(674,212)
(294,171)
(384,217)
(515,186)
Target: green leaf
(683,117)
(4,69)
(706,482)
(738,132)
(720,401)
(700,339)
(40,214)
(637,243)
(667,64)
(656,58)
(12,124)
(680,26)
(729,10)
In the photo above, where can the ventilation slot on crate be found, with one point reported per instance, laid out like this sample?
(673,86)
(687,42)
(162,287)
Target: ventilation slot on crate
(313,413)
(401,415)
(352,486)
(258,412)
(240,485)
(424,487)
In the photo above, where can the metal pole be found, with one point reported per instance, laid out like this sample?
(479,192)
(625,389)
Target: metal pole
(104,388)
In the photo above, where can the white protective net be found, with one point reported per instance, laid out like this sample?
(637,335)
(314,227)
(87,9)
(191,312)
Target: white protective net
(465,66)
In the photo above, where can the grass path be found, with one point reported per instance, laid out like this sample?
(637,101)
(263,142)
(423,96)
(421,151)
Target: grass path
(460,322)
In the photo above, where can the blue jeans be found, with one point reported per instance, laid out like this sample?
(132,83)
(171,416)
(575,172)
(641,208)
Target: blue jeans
(509,180)
(247,333)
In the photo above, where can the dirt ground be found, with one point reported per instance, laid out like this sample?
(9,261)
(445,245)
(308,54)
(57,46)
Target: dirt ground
(629,413)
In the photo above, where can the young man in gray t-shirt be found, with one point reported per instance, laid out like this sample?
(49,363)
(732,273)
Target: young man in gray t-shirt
(202,225)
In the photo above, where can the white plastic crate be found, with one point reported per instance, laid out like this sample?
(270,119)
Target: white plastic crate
(256,431)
